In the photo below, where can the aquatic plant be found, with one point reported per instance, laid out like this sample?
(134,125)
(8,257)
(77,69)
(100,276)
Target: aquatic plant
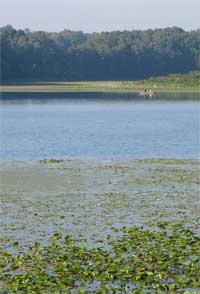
(141,261)
(51,160)
(166,160)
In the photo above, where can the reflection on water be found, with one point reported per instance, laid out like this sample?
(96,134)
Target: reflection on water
(52,97)
(98,125)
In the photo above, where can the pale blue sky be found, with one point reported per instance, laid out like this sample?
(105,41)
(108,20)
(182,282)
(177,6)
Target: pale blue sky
(99,15)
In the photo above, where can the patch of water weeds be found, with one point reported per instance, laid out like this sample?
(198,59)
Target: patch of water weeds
(166,161)
(82,198)
(114,167)
(140,261)
(51,160)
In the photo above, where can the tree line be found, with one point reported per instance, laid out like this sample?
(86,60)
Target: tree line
(117,55)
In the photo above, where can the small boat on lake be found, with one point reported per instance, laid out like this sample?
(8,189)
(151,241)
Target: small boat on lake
(151,93)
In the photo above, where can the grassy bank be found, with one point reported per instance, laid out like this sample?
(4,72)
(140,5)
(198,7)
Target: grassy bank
(188,82)
(70,226)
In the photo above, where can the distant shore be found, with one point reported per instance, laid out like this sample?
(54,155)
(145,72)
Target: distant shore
(171,83)
(92,86)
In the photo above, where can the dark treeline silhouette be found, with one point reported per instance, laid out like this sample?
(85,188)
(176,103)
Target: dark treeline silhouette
(97,56)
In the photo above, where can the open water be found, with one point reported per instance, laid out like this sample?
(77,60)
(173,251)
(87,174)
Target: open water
(103,128)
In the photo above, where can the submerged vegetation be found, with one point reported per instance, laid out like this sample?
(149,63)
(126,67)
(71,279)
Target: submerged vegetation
(141,261)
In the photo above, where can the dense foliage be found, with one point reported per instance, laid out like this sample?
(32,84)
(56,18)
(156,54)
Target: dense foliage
(97,56)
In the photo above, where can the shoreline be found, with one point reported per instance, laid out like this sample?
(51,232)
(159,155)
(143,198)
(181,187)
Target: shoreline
(159,84)
(40,89)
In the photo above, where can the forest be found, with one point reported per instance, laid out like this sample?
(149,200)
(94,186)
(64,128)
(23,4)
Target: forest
(78,56)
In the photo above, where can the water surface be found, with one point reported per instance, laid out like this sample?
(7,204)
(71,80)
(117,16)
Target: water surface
(111,128)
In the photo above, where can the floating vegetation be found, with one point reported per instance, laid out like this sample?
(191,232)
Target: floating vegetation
(61,227)
(141,261)
(51,160)
(166,160)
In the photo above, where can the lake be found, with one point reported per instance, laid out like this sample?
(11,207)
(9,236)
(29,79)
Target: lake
(91,128)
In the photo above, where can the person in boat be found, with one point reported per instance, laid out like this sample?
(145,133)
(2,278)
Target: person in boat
(143,93)
(152,93)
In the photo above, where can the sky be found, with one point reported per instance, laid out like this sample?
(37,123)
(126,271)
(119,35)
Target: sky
(99,15)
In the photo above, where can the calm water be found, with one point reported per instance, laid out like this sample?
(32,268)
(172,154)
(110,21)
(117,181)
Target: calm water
(63,128)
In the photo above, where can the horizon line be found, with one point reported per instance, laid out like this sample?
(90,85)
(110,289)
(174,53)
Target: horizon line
(99,32)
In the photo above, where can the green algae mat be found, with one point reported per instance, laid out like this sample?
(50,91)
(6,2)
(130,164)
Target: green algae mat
(100,227)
